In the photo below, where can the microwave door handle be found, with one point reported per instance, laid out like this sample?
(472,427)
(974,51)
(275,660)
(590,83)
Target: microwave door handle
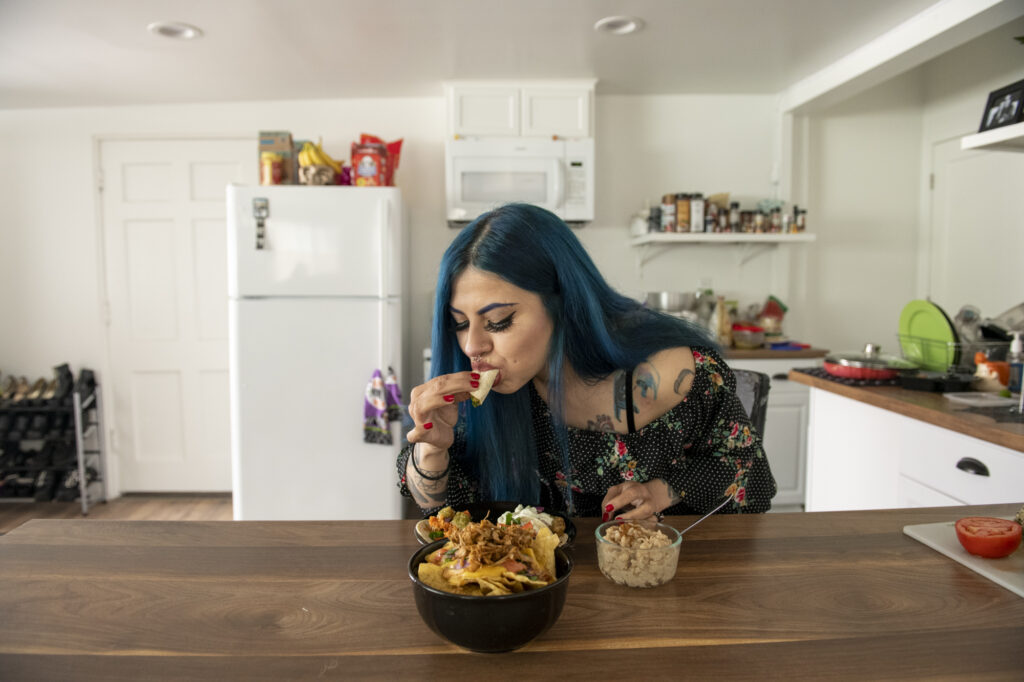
(559,184)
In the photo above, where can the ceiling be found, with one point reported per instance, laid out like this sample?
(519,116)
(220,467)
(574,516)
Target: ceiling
(56,53)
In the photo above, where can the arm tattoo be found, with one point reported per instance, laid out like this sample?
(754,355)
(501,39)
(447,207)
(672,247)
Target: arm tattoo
(681,378)
(619,397)
(425,492)
(647,379)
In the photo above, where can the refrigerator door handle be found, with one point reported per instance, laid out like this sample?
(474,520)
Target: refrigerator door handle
(384,218)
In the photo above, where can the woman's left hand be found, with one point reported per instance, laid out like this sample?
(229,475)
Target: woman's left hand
(636,501)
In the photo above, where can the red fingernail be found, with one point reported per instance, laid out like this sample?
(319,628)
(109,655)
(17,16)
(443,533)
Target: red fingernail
(449,398)
(474,375)
(608,507)
(604,516)
(618,518)
(474,384)
(428,425)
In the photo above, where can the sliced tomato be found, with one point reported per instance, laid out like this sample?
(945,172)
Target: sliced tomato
(988,537)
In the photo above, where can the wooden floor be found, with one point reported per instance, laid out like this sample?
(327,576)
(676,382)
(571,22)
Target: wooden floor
(155,507)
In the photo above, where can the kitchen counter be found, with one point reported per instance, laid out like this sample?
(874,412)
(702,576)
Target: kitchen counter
(787,596)
(928,407)
(767,354)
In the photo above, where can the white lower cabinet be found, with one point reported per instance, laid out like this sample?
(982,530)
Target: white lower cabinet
(785,429)
(865,457)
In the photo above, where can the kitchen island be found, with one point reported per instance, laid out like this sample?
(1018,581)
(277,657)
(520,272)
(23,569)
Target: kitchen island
(885,446)
(776,596)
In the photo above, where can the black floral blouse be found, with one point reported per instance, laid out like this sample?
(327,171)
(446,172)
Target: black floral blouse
(704,448)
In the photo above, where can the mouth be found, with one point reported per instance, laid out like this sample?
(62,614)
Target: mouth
(483,367)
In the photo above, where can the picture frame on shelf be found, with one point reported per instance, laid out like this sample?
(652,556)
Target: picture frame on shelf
(1004,107)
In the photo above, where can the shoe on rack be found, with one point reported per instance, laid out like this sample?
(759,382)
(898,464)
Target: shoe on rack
(21,390)
(67,491)
(45,485)
(7,389)
(86,383)
(65,384)
(35,392)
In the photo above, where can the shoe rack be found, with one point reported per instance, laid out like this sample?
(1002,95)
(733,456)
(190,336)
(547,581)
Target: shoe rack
(52,446)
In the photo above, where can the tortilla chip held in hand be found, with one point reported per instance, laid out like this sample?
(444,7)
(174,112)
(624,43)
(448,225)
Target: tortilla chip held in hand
(486,381)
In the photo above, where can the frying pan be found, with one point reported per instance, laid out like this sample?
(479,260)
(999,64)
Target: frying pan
(869,364)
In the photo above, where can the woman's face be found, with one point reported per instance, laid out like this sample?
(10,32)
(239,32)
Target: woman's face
(507,327)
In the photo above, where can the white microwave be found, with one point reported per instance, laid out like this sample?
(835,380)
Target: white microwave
(481,174)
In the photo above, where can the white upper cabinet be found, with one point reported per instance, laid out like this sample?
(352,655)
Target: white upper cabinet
(562,108)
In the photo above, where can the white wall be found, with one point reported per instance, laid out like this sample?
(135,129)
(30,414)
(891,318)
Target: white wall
(863,174)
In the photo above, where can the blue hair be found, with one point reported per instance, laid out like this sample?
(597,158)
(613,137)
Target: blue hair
(596,330)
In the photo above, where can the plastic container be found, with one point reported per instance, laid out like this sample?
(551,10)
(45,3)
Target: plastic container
(747,336)
(1016,360)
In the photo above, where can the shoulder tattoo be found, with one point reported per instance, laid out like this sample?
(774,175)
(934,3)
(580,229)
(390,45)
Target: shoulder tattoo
(602,422)
(619,396)
(647,380)
(680,379)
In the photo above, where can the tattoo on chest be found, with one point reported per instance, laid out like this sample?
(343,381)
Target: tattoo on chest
(602,422)
(680,379)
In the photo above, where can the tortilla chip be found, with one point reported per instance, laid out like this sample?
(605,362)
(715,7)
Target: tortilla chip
(431,576)
(544,550)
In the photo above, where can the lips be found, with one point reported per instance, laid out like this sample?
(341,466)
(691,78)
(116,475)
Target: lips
(484,368)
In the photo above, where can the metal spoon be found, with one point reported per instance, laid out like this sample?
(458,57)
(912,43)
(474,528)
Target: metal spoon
(724,502)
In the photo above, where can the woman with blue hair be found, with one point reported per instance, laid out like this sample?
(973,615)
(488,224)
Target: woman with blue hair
(600,406)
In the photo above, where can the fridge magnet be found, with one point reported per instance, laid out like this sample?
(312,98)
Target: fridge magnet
(1004,107)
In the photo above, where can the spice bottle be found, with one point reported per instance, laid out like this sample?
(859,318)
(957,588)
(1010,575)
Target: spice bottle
(776,220)
(801,220)
(682,212)
(697,212)
(734,216)
(668,213)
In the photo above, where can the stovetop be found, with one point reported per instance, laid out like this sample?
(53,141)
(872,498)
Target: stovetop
(821,373)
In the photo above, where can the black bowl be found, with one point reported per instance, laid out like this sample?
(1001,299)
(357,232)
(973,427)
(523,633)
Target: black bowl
(492,510)
(490,624)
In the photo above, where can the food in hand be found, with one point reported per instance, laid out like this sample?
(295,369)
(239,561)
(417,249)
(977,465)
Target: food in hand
(486,381)
(485,559)
(988,537)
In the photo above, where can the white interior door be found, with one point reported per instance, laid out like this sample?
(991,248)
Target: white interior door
(977,229)
(164,231)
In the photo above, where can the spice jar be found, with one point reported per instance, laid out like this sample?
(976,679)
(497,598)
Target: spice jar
(668,213)
(697,212)
(734,216)
(369,165)
(682,212)
(271,166)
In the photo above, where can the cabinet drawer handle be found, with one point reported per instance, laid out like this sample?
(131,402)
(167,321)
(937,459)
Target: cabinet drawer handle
(972,466)
(781,376)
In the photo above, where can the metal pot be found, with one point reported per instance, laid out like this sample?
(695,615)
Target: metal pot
(671,301)
(870,364)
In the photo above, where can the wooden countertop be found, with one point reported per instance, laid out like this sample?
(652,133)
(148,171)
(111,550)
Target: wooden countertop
(928,407)
(787,596)
(766,354)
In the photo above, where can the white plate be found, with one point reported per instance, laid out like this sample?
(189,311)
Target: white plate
(1008,571)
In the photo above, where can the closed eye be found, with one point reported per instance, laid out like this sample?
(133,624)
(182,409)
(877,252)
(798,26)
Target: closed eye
(501,325)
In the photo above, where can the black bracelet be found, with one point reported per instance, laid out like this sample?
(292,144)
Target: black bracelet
(412,458)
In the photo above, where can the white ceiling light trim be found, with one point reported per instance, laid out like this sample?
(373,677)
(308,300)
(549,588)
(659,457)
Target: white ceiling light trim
(175,29)
(619,25)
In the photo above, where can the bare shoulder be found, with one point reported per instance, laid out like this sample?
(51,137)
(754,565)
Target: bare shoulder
(662,381)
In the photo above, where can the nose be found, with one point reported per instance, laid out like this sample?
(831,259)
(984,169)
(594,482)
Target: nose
(477,341)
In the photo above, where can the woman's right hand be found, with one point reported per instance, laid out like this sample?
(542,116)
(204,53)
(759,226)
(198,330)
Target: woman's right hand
(433,407)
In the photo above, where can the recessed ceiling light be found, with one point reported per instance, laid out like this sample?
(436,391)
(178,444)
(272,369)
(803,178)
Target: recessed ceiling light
(175,29)
(619,25)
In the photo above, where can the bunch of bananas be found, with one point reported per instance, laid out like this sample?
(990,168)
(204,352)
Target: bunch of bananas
(312,154)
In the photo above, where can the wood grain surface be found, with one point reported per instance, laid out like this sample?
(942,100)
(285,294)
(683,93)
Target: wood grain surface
(928,407)
(840,595)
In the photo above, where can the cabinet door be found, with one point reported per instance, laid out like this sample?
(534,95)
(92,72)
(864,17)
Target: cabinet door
(556,111)
(913,494)
(484,110)
(785,444)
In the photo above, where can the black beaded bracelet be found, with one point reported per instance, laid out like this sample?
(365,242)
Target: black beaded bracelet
(438,477)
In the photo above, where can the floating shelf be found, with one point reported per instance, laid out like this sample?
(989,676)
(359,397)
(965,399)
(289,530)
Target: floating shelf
(752,244)
(1007,139)
(721,238)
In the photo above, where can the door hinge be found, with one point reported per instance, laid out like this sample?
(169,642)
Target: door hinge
(931,181)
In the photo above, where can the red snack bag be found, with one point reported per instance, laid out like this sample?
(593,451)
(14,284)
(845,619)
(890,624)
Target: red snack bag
(394,152)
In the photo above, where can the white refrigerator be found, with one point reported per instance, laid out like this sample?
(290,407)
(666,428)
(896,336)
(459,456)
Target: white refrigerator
(314,307)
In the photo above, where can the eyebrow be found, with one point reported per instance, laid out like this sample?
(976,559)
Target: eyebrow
(483,310)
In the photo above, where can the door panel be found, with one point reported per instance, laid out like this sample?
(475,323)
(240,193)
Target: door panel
(166,269)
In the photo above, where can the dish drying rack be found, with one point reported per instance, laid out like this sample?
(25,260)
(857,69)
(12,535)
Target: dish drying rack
(941,356)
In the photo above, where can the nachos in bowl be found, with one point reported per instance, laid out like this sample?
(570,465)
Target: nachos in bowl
(485,559)
(438,525)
